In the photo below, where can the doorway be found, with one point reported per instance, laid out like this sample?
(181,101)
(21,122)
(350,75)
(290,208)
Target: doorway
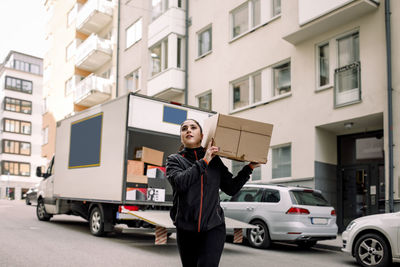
(361,178)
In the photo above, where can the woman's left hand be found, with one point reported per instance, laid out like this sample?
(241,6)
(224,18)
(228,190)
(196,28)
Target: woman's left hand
(254,165)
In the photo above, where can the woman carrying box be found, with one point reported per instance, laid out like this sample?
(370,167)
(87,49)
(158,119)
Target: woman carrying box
(196,175)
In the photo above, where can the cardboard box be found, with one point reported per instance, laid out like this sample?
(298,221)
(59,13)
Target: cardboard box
(136,178)
(237,138)
(135,172)
(135,167)
(148,155)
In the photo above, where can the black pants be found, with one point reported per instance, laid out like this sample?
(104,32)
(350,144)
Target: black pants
(201,249)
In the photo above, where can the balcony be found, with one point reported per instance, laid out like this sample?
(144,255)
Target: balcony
(92,90)
(167,84)
(171,21)
(94,16)
(323,18)
(93,53)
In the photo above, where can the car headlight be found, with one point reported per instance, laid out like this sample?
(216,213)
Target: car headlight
(350,226)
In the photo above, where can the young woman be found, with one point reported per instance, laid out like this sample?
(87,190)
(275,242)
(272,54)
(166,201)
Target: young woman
(196,175)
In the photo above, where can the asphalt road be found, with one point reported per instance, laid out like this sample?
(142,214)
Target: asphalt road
(66,241)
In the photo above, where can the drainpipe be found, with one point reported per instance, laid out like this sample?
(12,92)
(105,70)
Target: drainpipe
(390,108)
(186,50)
(117,67)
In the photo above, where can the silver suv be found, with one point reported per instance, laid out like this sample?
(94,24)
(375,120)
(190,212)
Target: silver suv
(294,214)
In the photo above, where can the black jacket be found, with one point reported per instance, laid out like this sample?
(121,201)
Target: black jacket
(196,189)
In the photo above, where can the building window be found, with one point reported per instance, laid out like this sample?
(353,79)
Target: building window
(240,20)
(20,85)
(16,126)
(323,65)
(252,14)
(205,41)
(133,81)
(134,33)
(241,94)
(25,66)
(15,168)
(179,53)
(35,69)
(205,101)
(347,75)
(282,161)
(69,86)
(45,105)
(70,50)
(17,105)
(282,83)
(276,7)
(16,147)
(159,57)
(45,135)
(237,166)
(158,8)
(247,91)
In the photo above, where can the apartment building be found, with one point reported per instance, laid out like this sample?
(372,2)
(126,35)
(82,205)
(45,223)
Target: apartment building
(80,63)
(319,74)
(21,121)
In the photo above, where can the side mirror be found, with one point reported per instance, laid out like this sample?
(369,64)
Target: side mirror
(39,171)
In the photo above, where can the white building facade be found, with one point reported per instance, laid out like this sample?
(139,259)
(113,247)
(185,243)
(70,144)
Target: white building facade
(21,120)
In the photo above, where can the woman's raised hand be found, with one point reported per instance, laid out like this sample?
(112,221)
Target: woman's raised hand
(211,150)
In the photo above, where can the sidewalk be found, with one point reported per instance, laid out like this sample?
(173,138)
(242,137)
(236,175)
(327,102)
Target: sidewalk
(333,244)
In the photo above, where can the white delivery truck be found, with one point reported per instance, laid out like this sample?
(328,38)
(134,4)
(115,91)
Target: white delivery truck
(88,173)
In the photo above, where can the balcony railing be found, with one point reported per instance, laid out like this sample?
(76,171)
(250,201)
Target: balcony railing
(92,90)
(93,53)
(94,16)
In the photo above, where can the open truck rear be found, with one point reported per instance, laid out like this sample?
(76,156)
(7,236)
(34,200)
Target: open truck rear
(89,177)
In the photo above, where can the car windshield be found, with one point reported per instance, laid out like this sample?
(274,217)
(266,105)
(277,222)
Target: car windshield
(308,197)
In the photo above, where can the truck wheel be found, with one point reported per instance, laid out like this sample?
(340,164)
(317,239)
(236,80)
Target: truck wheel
(41,213)
(96,222)
(372,250)
(259,237)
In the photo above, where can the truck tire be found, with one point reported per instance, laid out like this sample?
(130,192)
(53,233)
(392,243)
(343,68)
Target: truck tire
(96,222)
(41,213)
(259,237)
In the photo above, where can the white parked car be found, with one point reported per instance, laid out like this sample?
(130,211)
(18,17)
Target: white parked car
(373,240)
(290,214)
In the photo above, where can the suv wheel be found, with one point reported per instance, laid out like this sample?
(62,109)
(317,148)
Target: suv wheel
(372,250)
(96,222)
(259,237)
(41,213)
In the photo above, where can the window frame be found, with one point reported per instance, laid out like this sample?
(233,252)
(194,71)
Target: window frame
(138,72)
(69,83)
(20,126)
(164,8)
(134,26)
(250,17)
(3,146)
(19,168)
(206,93)
(163,54)
(20,105)
(274,82)
(199,34)
(20,88)
(291,160)
(318,66)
